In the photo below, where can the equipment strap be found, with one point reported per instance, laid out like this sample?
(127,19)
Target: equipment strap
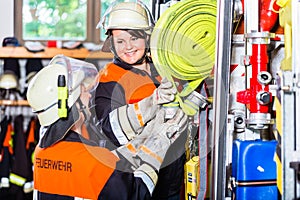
(203,147)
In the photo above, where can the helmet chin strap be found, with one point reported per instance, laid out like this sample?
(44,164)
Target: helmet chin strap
(83,109)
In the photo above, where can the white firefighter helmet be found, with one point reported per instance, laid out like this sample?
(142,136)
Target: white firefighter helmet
(127,15)
(42,93)
(8,80)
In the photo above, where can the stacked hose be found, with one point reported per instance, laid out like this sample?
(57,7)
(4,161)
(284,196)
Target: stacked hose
(183,45)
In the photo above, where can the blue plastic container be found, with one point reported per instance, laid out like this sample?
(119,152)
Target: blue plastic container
(254,170)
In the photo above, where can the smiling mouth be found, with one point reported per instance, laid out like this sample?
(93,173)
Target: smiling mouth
(131,53)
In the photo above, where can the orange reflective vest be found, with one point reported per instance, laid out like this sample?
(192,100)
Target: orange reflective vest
(73,169)
(136,86)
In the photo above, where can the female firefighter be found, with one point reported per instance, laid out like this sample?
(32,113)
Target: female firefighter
(126,97)
(69,166)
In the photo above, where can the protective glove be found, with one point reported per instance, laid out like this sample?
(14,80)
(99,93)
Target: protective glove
(165,93)
(146,151)
(142,112)
(128,121)
(156,129)
(163,134)
(129,150)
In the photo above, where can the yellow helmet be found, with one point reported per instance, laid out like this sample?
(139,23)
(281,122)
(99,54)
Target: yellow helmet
(42,93)
(127,15)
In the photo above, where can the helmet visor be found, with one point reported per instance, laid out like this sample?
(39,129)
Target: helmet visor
(88,77)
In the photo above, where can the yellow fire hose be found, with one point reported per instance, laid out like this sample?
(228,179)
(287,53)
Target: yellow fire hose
(183,45)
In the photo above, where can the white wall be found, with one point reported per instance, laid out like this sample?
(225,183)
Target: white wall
(6,19)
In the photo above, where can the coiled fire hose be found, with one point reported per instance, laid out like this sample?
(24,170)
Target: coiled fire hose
(183,45)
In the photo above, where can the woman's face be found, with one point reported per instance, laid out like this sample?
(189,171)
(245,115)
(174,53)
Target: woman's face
(129,48)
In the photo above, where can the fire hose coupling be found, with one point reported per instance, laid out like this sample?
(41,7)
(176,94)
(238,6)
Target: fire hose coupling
(263,97)
(259,37)
(264,77)
(192,103)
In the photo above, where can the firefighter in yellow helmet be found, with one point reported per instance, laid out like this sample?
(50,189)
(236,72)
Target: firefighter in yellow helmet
(129,85)
(66,164)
